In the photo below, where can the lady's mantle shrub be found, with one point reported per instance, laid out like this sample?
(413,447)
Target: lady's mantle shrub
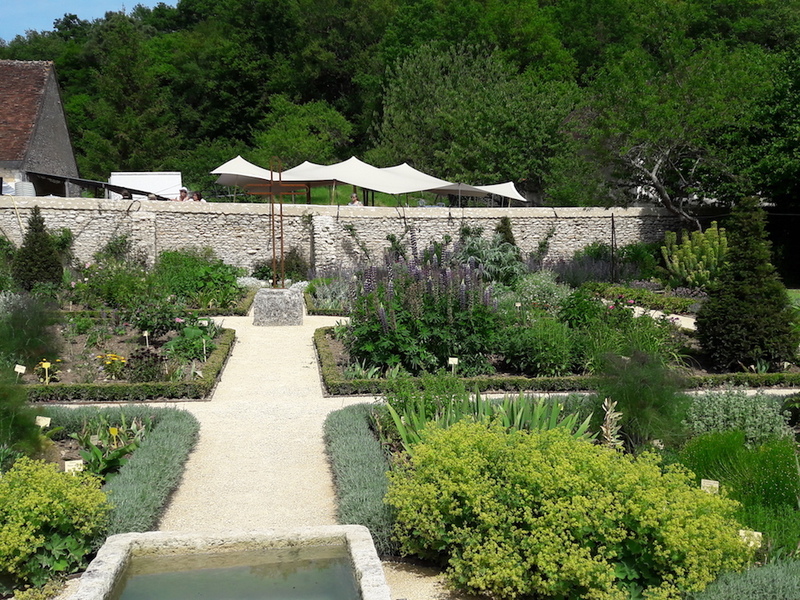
(544,515)
(49,521)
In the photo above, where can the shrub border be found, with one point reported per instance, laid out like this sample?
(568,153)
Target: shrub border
(335,385)
(146,482)
(140,392)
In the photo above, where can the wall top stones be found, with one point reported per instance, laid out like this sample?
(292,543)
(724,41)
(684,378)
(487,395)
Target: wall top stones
(435,212)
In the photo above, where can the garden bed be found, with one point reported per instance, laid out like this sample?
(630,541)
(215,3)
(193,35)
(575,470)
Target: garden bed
(197,384)
(333,358)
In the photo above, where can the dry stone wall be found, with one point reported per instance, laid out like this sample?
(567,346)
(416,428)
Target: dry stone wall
(331,237)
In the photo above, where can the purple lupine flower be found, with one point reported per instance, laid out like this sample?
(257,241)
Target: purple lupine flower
(462,295)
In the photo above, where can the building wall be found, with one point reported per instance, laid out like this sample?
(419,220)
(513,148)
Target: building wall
(331,237)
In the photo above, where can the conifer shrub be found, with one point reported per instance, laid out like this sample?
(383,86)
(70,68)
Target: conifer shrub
(540,514)
(747,320)
(38,260)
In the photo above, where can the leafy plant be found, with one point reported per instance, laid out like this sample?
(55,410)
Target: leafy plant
(197,278)
(192,343)
(49,521)
(759,416)
(113,365)
(648,395)
(697,259)
(145,364)
(542,348)
(541,514)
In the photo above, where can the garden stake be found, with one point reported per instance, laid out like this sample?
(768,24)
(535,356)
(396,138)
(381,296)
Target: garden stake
(147,338)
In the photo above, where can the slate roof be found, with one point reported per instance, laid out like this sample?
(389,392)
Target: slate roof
(22,87)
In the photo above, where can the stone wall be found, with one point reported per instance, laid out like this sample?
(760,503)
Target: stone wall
(332,237)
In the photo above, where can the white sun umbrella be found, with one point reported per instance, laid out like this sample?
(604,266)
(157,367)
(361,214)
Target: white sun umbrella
(417,180)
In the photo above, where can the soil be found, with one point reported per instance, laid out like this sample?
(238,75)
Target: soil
(79,355)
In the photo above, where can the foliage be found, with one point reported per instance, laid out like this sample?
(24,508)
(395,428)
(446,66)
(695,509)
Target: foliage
(520,412)
(523,514)
(49,521)
(542,347)
(648,395)
(25,330)
(113,365)
(581,309)
(197,278)
(314,131)
(157,316)
(37,260)
(538,291)
(112,284)
(193,342)
(46,371)
(779,580)
(18,429)
(331,293)
(747,317)
(698,259)
(145,364)
(667,302)
(759,416)
(359,468)
(420,315)
(764,475)
(499,260)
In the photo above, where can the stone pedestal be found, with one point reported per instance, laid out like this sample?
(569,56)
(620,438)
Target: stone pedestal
(278,307)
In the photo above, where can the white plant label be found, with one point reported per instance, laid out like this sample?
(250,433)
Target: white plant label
(43,422)
(73,466)
(20,369)
(709,485)
(452,361)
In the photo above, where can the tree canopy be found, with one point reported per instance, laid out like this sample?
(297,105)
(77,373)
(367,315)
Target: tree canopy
(669,101)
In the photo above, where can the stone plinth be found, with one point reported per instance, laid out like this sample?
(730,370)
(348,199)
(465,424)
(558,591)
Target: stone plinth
(278,307)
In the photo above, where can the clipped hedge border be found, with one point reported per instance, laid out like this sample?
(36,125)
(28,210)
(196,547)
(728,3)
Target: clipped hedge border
(335,384)
(312,309)
(138,392)
(645,298)
(143,486)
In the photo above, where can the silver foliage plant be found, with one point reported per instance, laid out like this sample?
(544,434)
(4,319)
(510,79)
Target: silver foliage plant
(760,415)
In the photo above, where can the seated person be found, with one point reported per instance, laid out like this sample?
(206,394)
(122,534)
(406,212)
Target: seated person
(354,201)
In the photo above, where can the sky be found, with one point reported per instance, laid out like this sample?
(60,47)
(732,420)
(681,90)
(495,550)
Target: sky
(18,16)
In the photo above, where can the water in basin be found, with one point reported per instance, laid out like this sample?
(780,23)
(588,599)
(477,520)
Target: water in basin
(303,573)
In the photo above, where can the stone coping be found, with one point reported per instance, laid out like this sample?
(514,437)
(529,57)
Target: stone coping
(109,566)
(294,210)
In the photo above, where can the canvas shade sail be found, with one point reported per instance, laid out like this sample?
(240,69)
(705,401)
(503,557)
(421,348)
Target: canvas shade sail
(242,173)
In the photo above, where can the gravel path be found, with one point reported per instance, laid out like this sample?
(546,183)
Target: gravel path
(260,461)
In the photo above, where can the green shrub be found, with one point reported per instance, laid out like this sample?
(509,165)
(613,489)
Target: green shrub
(545,515)
(26,333)
(501,261)
(538,291)
(37,260)
(49,521)
(112,284)
(145,364)
(197,278)
(759,416)
(581,309)
(359,468)
(697,259)
(747,318)
(774,581)
(18,429)
(765,475)
(544,347)
(648,395)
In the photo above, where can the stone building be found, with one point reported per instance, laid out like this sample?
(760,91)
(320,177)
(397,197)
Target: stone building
(34,139)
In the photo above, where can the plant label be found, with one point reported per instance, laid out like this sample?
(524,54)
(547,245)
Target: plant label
(20,369)
(709,485)
(73,466)
(751,538)
(452,361)
(94,439)
(518,304)
(45,365)
(43,422)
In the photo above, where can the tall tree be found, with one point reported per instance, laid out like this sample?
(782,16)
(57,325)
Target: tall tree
(654,132)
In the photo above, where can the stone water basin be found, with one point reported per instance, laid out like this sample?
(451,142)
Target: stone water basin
(315,563)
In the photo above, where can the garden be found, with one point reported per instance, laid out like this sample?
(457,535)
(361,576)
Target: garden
(109,330)
(647,486)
